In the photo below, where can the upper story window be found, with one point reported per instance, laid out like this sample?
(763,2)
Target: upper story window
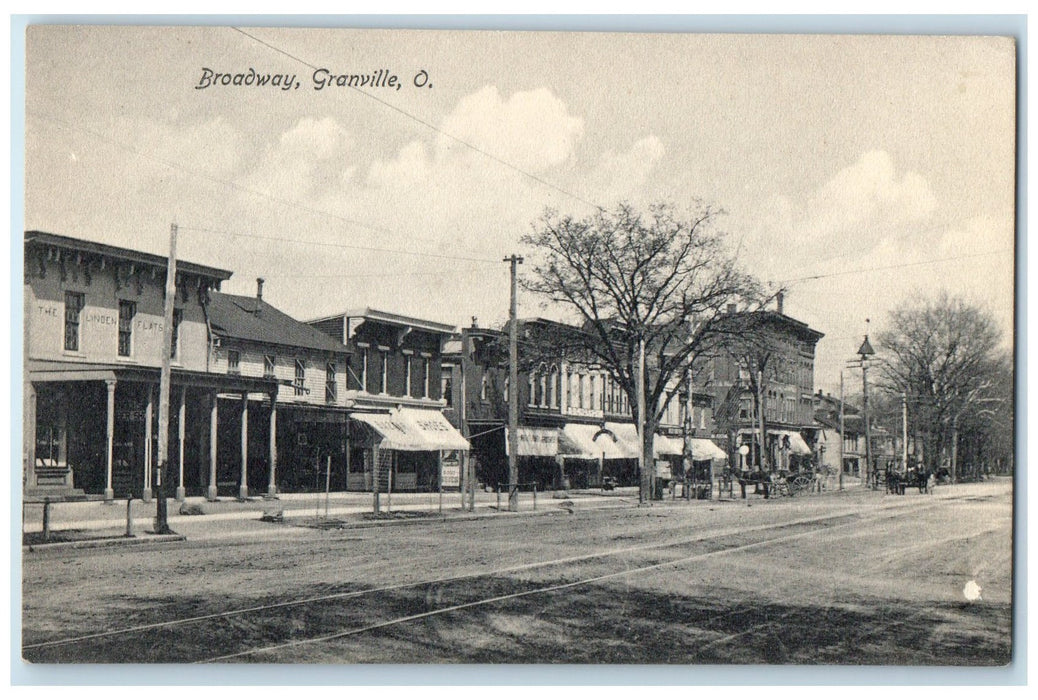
(269,362)
(329,382)
(484,388)
(300,377)
(407,375)
(178,317)
(233,362)
(425,366)
(73,308)
(127,310)
(447,386)
(384,384)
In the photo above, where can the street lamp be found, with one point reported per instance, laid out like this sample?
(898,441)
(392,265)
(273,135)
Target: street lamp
(864,352)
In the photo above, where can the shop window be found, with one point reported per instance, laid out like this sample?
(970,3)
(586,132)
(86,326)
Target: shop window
(127,310)
(233,362)
(268,366)
(178,316)
(300,378)
(73,308)
(329,382)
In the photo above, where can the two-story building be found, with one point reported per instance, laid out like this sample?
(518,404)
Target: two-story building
(397,433)
(293,436)
(93,351)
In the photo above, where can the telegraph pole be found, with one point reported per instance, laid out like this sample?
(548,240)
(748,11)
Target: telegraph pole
(513,389)
(161,521)
(647,471)
(841,430)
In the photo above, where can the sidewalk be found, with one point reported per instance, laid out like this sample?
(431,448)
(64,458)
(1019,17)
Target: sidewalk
(97,518)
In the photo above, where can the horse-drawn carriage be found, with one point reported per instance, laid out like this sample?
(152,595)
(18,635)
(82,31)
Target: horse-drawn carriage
(780,483)
(898,482)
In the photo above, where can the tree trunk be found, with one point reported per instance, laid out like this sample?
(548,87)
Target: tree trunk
(648,476)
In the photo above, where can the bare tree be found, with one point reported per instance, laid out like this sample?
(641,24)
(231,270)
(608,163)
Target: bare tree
(944,355)
(655,283)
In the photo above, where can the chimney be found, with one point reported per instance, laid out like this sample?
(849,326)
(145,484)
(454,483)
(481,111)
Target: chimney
(259,288)
(779,299)
(474,324)
(731,308)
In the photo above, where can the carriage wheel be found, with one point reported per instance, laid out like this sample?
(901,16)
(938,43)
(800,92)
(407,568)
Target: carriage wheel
(800,483)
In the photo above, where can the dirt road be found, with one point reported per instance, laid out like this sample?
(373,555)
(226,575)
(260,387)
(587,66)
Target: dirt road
(841,578)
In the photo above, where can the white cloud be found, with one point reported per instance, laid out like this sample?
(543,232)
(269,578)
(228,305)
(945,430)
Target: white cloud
(621,175)
(532,130)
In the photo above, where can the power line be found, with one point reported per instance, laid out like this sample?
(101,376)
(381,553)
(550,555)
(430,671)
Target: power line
(347,246)
(893,267)
(428,125)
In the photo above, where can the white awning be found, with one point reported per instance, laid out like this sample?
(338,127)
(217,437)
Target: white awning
(414,430)
(535,442)
(703,449)
(584,441)
(627,435)
(664,445)
(797,445)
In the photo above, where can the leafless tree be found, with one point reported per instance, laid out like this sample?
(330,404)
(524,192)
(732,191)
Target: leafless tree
(658,280)
(945,355)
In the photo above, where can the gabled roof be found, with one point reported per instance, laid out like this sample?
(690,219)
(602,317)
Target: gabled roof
(250,318)
(42,238)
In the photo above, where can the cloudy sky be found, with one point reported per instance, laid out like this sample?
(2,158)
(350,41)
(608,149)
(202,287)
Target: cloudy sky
(860,172)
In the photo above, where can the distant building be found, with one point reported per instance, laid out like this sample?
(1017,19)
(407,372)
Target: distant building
(575,424)
(780,353)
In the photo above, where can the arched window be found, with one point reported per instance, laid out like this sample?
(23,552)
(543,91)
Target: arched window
(580,390)
(553,399)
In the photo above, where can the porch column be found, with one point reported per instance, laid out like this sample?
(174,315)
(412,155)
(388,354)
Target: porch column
(29,436)
(146,496)
(211,491)
(243,489)
(272,488)
(109,440)
(181,491)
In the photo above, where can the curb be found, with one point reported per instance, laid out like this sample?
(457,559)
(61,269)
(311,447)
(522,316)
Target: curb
(99,543)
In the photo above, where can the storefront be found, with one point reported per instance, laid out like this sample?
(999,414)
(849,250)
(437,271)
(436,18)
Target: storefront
(402,450)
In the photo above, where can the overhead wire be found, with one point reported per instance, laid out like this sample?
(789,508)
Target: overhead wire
(427,124)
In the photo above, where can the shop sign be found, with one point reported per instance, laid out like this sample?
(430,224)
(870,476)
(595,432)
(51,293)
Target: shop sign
(450,473)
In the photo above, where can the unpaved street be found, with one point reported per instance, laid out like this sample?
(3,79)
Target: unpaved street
(839,578)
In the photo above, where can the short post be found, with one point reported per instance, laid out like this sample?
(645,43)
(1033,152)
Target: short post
(499,498)
(46,519)
(129,517)
(327,485)
(535,496)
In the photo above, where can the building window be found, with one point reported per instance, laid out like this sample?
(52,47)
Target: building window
(384,384)
(484,387)
(268,366)
(127,310)
(178,316)
(364,371)
(73,307)
(407,375)
(300,378)
(447,386)
(233,362)
(329,382)
(425,367)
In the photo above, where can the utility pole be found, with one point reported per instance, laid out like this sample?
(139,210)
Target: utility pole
(646,470)
(841,431)
(904,431)
(161,520)
(513,389)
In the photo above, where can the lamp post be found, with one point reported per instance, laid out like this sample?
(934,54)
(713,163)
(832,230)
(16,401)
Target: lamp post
(864,352)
